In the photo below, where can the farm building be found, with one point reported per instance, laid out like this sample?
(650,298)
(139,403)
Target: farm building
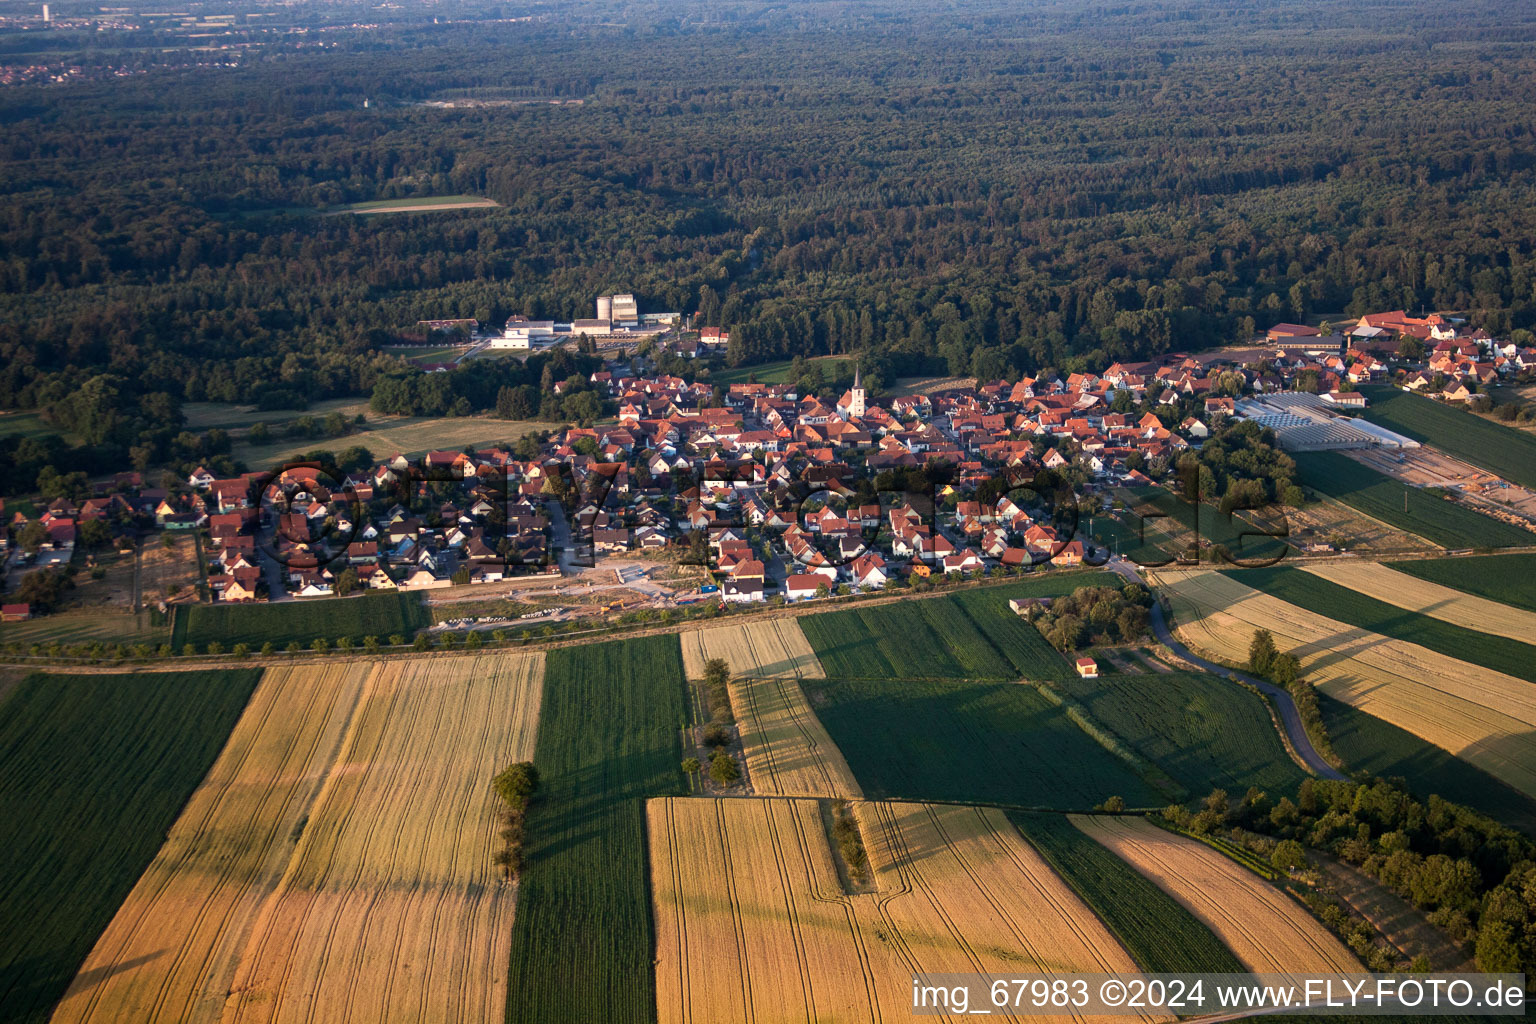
(1087,668)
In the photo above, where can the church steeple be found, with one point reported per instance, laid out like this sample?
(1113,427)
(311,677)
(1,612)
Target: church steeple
(856,396)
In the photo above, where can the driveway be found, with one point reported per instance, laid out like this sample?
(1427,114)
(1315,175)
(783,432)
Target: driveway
(1289,716)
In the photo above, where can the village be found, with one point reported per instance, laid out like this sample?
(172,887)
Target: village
(780,496)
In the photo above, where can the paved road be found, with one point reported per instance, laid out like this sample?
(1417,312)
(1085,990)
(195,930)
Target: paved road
(1289,716)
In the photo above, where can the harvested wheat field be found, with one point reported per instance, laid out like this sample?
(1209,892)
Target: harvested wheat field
(338,860)
(788,751)
(1444,603)
(1262,926)
(757,650)
(1485,717)
(753,922)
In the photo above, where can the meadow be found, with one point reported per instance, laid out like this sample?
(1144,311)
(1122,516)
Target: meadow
(287,622)
(1506,579)
(1474,439)
(1324,597)
(1437,520)
(93,772)
(1204,731)
(387,436)
(778,373)
(1247,535)
(999,743)
(1154,928)
(1368,744)
(609,737)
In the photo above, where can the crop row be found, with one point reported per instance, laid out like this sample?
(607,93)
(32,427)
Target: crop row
(608,738)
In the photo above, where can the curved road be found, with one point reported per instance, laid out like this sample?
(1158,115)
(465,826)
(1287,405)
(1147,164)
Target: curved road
(1289,716)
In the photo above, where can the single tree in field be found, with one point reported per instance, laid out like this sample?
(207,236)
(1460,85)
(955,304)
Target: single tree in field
(346,582)
(516,783)
(1262,652)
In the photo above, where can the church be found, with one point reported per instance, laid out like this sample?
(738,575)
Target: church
(851,405)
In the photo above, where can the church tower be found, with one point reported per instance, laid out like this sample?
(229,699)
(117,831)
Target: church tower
(856,399)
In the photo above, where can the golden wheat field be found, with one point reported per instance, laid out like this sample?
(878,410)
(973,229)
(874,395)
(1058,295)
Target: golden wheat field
(754,923)
(788,751)
(1486,717)
(337,861)
(1444,603)
(1262,926)
(772,647)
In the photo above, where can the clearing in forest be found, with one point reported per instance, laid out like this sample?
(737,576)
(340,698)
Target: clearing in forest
(758,650)
(788,751)
(1265,928)
(1485,717)
(337,860)
(753,921)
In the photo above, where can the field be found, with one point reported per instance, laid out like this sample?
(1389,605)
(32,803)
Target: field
(203,415)
(386,436)
(84,626)
(420,204)
(758,650)
(1506,579)
(1402,590)
(753,922)
(1031,656)
(1204,731)
(93,771)
(778,373)
(172,949)
(168,572)
(608,739)
(921,639)
(302,621)
(1435,519)
(966,635)
(1317,593)
(1154,928)
(336,861)
(1398,921)
(788,751)
(999,743)
(1482,442)
(1369,744)
(1173,523)
(1264,928)
(1482,716)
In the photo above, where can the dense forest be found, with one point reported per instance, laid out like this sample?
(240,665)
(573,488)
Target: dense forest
(986,187)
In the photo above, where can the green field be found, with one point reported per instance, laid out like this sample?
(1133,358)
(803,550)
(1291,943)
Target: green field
(1352,608)
(966,635)
(1160,935)
(999,743)
(1435,519)
(93,772)
(778,373)
(300,621)
(1031,656)
(1508,579)
(1484,443)
(1368,744)
(1204,731)
(386,436)
(609,733)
